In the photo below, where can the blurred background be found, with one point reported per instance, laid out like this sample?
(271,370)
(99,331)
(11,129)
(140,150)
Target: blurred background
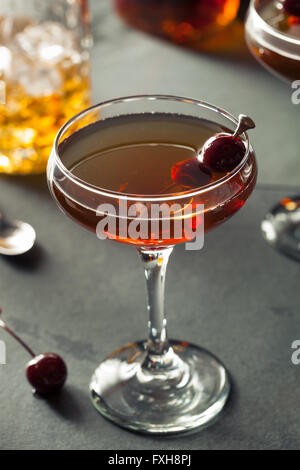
(220,70)
(194,48)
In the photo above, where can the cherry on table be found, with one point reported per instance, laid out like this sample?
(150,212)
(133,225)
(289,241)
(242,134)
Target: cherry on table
(46,372)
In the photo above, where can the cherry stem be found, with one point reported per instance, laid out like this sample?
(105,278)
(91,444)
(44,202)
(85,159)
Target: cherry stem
(16,337)
(245,123)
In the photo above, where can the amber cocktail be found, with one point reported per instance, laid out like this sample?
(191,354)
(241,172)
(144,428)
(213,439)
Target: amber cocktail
(140,153)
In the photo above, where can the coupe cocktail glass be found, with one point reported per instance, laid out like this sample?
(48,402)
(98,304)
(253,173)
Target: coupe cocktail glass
(274,39)
(157,386)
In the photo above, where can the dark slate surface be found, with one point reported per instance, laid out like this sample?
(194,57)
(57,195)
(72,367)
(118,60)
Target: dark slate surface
(83,298)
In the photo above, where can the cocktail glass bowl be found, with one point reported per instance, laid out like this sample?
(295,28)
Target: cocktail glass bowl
(275,50)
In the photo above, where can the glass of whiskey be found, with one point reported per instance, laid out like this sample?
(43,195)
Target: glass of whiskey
(44,77)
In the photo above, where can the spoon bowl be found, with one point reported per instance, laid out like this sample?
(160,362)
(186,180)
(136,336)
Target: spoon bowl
(16,237)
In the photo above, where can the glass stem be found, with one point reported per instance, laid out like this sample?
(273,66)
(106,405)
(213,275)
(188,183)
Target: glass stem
(155,263)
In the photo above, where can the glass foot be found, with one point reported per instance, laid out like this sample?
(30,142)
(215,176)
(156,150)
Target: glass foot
(281,227)
(187,392)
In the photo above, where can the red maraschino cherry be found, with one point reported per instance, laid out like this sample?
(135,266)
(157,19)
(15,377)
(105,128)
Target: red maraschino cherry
(291,7)
(222,152)
(46,372)
(190,174)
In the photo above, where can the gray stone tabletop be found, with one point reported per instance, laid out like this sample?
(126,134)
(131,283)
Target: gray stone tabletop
(83,298)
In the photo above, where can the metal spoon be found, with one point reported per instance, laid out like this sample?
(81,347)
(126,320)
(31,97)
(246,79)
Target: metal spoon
(281,227)
(16,237)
